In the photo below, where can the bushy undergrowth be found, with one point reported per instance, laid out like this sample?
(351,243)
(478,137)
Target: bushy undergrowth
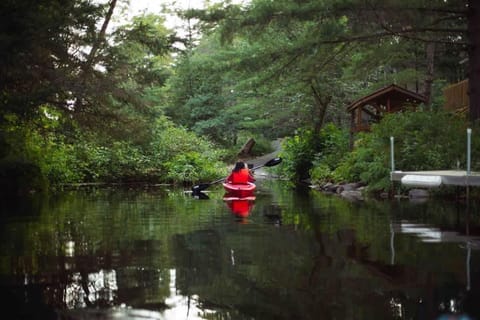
(298,154)
(47,156)
(185,157)
(173,155)
(334,145)
(315,156)
(422,141)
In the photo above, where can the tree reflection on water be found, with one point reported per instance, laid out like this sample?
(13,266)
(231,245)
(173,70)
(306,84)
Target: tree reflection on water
(100,288)
(167,255)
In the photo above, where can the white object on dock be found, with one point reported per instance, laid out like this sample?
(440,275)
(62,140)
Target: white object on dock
(421,181)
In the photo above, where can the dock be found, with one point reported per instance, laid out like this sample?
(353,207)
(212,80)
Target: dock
(436,178)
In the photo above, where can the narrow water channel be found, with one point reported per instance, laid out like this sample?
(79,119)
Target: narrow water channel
(159,253)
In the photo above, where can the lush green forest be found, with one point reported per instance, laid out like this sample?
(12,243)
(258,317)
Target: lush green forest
(84,100)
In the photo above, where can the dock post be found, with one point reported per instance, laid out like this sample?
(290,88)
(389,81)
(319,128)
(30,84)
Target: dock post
(392,164)
(469,154)
(392,160)
(469,151)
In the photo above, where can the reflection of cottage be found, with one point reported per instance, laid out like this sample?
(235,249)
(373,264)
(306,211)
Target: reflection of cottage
(371,108)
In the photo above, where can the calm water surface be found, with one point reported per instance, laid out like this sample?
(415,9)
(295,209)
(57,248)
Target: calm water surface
(159,253)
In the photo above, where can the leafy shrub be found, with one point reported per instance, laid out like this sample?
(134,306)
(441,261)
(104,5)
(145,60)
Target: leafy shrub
(423,141)
(298,153)
(321,172)
(93,160)
(36,146)
(60,164)
(185,157)
(192,167)
(173,155)
(333,145)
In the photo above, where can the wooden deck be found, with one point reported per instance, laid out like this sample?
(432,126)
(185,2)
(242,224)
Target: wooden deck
(436,178)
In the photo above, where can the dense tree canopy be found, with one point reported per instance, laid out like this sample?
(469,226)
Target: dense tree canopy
(430,38)
(40,56)
(80,103)
(91,96)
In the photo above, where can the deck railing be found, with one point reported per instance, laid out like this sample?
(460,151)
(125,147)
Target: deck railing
(456,96)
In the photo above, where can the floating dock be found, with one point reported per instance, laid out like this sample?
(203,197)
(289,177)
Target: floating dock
(436,178)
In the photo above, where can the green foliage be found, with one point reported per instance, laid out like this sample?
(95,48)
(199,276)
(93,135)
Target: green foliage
(307,155)
(286,65)
(334,145)
(36,151)
(173,155)
(141,49)
(423,141)
(42,43)
(127,162)
(92,160)
(368,162)
(137,67)
(185,157)
(42,155)
(60,164)
(277,51)
(321,173)
(118,162)
(193,167)
(298,153)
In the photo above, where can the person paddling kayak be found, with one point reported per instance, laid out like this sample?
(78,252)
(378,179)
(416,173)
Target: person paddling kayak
(240,174)
(245,186)
(240,182)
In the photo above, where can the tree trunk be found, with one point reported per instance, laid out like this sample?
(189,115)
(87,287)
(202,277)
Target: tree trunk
(430,56)
(473,16)
(101,35)
(321,108)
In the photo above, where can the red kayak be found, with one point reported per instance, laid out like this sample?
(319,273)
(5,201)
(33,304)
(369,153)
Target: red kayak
(239,190)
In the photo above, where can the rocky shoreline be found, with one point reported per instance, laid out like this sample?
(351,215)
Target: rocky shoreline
(354,191)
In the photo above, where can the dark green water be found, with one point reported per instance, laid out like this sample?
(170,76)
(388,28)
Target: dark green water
(298,254)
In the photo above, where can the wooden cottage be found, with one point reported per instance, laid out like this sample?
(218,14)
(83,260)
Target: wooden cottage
(371,108)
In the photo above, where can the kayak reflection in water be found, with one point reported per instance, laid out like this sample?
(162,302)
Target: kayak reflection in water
(240,207)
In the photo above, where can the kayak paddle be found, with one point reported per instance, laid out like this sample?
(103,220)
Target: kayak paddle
(202,186)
